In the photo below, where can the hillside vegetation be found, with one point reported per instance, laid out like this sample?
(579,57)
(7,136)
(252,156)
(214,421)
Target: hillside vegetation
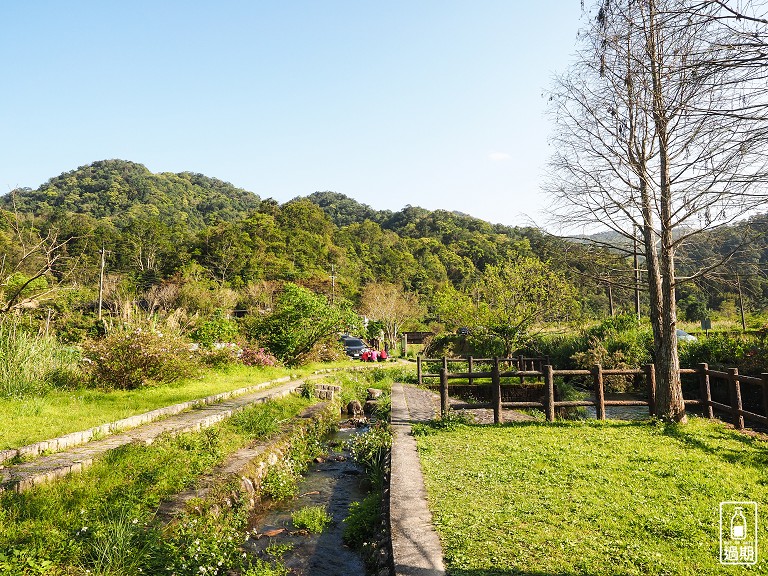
(186,257)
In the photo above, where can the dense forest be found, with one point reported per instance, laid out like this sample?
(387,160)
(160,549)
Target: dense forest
(193,241)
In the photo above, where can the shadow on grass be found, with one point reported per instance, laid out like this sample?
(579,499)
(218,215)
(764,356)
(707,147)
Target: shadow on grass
(512,572)
(753,452)
(715,440)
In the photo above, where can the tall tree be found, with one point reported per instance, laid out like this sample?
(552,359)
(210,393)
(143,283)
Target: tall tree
(661,133)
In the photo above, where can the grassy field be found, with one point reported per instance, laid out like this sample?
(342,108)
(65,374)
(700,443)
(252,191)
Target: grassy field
(35,418)
(589,498)
(103,520)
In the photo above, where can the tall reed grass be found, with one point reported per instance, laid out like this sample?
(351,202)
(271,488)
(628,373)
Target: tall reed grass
(31,363)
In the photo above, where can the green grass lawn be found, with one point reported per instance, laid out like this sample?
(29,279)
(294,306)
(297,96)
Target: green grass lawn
(35,418)
(590,498)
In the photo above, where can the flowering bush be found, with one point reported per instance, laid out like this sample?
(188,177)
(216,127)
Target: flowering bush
(135,358)
(221,354)
(252,356)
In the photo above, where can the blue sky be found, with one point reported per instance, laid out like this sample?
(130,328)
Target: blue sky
(433,103)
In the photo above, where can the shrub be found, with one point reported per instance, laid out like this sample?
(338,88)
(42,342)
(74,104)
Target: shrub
(360,525)
(220,355)
(135,358)
(329,349)
(280,481)
(299,320)
(371,450)
(218,328)
(252,356)
(597,353)
(747,353)
(203,545)
(311,518)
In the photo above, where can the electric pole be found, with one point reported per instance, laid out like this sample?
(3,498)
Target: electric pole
(101,279)
(333,284)
(637,276)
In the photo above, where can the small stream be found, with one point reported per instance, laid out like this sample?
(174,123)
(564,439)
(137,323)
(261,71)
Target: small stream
(335,482)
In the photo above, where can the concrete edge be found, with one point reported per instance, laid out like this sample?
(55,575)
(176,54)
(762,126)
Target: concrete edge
(67,468)
(416,548)
(84,436)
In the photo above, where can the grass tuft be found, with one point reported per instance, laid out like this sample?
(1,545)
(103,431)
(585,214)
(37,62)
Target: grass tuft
(311,518)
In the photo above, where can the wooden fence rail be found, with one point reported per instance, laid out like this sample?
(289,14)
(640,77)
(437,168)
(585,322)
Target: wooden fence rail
(524,366)
(598,374)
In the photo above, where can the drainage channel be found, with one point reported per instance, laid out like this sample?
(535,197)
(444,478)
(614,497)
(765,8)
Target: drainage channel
(334,482)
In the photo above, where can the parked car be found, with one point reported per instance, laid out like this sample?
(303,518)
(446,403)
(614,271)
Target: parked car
(683,336)
(354,347)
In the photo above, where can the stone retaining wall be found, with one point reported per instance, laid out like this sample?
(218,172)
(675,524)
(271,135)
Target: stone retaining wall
(238,480)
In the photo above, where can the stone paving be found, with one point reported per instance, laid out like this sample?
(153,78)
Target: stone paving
(20,477)
(416,548)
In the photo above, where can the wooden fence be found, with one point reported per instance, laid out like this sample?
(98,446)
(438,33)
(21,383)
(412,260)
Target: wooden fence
(704,375)
(521,364)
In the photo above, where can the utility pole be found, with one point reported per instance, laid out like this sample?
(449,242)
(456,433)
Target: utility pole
(610,299)
(637,276)
(741,304)
(333,284)
(101,279)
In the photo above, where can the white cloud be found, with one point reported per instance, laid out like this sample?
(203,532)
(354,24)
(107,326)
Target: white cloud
(499,156)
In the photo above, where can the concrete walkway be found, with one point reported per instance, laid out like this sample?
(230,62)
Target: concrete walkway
(20,477)
(416,549)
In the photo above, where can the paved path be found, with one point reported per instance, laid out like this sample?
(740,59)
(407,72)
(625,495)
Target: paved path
(20,477)
(416,549)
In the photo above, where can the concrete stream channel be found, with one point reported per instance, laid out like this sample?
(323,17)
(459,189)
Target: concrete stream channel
(334,482)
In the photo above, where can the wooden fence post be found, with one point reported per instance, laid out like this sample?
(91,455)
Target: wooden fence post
(496,391)
(521,367)
(650,378)
(705,392)
(445,363)
(549,378)
(764,376)
(470,366)
(443,392)
(735,388)
(599,392)
(418,370)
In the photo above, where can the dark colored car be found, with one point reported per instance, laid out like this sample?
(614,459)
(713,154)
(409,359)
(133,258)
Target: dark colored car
(354,347)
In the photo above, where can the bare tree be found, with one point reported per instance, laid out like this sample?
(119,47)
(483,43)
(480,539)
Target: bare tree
(662,133)
(391,306)
(33,265)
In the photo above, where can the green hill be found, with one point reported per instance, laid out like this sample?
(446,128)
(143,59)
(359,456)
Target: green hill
(122,191)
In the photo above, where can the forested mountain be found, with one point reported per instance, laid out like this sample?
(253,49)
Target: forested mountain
(121,191)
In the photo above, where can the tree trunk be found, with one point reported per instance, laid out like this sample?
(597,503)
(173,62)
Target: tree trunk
(669,394)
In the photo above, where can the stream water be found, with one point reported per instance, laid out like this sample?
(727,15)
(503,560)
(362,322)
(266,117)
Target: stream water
(335,482)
